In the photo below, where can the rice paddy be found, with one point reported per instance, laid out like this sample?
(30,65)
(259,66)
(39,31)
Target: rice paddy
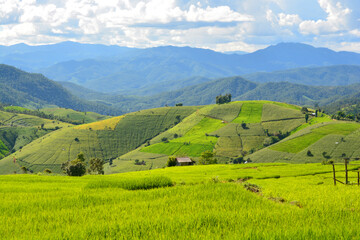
(196,202)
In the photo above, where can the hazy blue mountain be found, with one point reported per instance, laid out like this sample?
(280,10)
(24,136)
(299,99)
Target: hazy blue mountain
(337,75)
(146,67)
(32,58)
(299,94)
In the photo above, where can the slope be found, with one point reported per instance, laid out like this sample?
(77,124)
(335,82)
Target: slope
(17,130)
(34,91)
(106,139)
(230,130)
(316,143)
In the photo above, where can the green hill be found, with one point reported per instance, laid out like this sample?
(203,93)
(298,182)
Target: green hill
(230,130)
(17,130)
(75,116)
(106,139)
(316,143)
(36,91)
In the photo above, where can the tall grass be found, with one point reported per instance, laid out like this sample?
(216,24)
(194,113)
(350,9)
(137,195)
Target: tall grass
(54,207)
(133,184)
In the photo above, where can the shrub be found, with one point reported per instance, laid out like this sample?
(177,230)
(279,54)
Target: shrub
(96,166)
(309,153)
(75,167)
(171,162)
(48,171)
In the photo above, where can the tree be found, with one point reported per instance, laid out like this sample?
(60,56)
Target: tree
(178,104)
(75,167)
(171,162)
(207,157)
(96,166)
(306,117)
(223,99)
(309,153)
(304,110)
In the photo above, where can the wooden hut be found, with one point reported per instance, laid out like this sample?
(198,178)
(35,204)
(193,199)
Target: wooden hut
(184,161)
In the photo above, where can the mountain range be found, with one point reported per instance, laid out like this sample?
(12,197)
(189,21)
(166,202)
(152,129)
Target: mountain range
(127,70)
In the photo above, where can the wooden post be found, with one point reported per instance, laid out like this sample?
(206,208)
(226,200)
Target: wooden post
(346,171)
(334,174)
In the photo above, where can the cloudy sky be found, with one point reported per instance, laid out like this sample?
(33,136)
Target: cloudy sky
(221,25)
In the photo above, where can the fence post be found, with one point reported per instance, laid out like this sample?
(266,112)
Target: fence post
(334,174)
(346,171)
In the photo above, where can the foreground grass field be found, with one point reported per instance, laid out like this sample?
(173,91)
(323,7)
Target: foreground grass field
(197,202)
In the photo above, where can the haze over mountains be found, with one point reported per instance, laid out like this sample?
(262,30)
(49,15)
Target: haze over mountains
(126,70)
(113,79)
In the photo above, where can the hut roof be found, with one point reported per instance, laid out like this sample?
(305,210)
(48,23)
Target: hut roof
(184,160)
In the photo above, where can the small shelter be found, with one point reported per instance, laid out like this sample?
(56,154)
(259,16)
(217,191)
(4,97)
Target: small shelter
(184,161)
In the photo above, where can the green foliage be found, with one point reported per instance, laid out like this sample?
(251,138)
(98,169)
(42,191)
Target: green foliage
(223,99)
(171,162)
(96,166)
(75,167)
(207,157)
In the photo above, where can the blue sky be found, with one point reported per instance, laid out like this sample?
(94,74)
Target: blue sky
(221,25)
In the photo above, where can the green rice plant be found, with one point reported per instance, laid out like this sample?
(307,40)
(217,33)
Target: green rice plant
(134,183)
(250,112)
(298,144)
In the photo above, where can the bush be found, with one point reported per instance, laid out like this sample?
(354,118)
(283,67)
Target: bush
(309,153)
(48,171)
(207,157)
(75,167)
(171,162)
(96,166)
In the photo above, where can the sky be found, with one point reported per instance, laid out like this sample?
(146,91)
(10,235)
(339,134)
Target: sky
(221,25)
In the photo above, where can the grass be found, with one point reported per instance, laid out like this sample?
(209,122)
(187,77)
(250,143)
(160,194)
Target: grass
(85,117)
(193,143)
(251,112)
(300,143)
(107,124)
(206,202)
(134,183)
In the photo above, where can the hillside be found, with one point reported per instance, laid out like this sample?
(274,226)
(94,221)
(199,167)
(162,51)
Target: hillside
(339,75)
(74,116)
(217,128)
(106,139)
(316,143)
(18,130)
(35,91)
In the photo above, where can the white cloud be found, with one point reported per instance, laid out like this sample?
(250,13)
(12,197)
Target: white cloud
(336,21)
(288,19)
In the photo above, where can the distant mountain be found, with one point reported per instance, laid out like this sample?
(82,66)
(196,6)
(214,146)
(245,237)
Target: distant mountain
(299,94)
(31,58)
(238,87)
(338,75)
(124,70)
(35,91)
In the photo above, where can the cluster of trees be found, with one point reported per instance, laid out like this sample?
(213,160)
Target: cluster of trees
(77,167)
(223,99)
(341,115)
